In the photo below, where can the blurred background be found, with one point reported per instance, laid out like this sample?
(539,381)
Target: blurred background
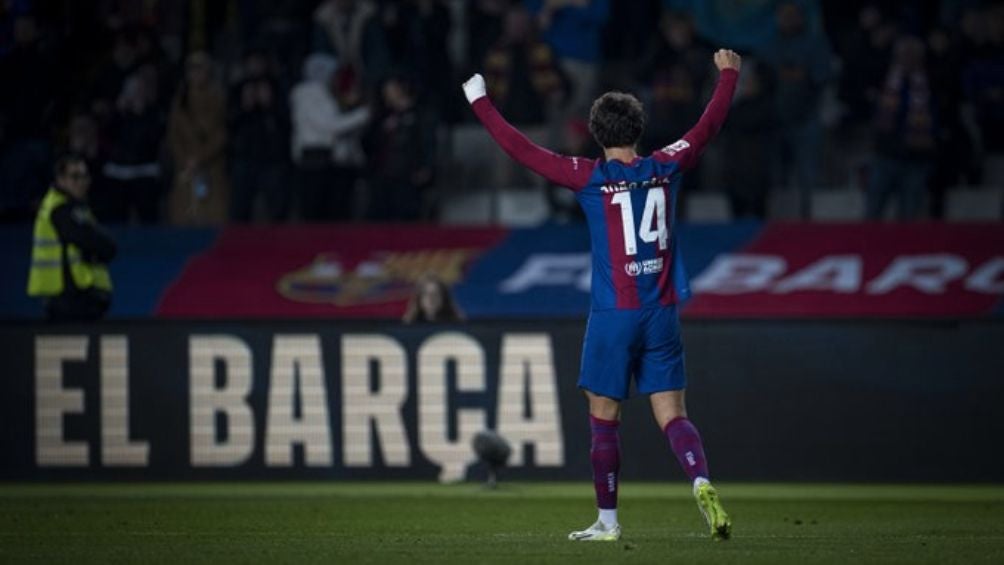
(287,181)
(846,110)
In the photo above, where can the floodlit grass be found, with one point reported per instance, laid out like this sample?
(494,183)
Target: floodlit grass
(519,523)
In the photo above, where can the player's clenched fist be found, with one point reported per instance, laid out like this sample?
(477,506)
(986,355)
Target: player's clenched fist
(727,59)
(474,88)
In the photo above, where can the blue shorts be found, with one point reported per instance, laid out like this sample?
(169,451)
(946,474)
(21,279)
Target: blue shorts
(620,344)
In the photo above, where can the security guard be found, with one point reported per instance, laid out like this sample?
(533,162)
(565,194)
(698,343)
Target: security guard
(70,253)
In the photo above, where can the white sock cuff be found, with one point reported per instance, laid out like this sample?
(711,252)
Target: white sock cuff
(608,517)
(700,481)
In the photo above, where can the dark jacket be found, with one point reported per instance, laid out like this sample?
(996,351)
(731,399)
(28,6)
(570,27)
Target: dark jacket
(73,224)
(259,133)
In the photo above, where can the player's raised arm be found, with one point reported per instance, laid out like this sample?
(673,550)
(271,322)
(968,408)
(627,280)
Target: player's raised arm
(688,150)
(572,172)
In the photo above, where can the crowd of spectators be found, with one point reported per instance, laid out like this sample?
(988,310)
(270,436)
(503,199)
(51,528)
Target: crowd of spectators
(202,112)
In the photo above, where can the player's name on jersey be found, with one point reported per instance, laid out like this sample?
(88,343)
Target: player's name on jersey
(624,185)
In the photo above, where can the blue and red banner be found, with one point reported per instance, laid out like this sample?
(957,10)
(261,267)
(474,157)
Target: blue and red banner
(870,270)
(741,270)
(342,271)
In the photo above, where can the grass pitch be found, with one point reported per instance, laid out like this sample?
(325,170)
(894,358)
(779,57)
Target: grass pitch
(519,523)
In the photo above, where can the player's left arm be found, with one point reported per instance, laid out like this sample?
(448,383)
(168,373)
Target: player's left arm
(687,151)
(572,172)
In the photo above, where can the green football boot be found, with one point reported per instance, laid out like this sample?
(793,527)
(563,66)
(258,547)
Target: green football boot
(711,508)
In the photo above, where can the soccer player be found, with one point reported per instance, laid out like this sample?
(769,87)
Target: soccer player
(634,327)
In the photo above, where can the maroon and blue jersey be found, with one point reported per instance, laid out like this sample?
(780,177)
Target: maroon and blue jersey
(630,207)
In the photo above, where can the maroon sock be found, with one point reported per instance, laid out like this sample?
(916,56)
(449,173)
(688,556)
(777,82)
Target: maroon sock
(605,455)
(686,445)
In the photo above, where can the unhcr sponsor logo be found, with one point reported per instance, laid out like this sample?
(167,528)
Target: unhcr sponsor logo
(646,267)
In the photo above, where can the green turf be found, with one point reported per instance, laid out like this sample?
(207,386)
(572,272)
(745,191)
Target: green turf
(520,523)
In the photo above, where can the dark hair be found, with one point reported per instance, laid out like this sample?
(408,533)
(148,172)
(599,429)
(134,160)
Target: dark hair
(405,80)
(616,119)
(65,160)
(448,310)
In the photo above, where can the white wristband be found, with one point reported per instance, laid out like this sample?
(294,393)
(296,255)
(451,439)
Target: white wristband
(474,88)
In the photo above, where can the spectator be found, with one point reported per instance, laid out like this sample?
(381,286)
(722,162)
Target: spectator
(403,148)
(955,156)
(432,303)
(905,134)
(800,59)
(484,28)
(26,107)
(70,254)
(83,140)
(283,31)
(747,26)
(675,71)
(747,142)
(526,83)
(326,141)
(132,171)
(150,54)
(627,40)
(197,136)
(866,50)
(984,85)
(417,34)
(522,73)
(259,133)
(112,75)
(573,28)
(351,31)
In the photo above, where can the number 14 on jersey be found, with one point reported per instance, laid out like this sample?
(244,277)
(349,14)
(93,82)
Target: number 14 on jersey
(653,219)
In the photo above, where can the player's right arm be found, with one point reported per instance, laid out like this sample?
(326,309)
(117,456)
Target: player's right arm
(572,172)
(688,149)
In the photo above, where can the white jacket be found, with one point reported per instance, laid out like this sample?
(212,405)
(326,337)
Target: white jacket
(319,122)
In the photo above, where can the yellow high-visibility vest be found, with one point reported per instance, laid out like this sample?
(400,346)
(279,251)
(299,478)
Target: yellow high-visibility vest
(46,275)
